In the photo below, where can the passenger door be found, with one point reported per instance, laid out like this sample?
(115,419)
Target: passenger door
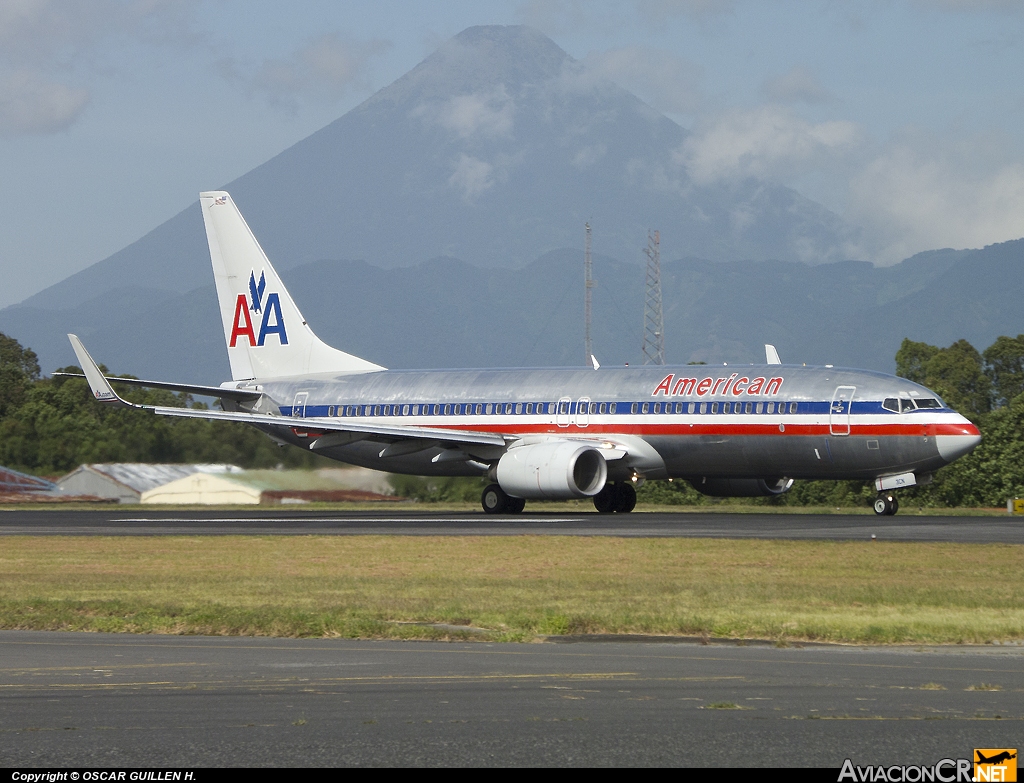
(299,406)
(839,410)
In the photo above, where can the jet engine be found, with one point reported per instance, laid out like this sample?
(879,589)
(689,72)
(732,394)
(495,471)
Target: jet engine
(741,488)
(556,470)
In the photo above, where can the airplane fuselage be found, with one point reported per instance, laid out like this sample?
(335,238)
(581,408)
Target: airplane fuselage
(679,422)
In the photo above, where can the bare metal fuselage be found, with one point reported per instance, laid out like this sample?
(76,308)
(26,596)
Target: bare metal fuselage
(816,423)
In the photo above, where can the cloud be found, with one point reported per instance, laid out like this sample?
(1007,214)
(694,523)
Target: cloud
(920,194)
(767,142)
(589,155)
(488,114)
(325,68)
(48,48)
(669,83)
(472,176)
(798,84)
(49,33)
(31,104)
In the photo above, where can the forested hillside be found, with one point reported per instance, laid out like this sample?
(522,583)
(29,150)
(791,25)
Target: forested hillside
(49,426)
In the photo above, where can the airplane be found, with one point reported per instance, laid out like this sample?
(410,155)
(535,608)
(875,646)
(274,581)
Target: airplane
(996,759)
(553,434)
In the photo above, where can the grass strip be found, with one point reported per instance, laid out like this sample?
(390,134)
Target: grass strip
(518,586)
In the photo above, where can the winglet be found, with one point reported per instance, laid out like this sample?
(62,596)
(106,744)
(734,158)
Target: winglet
(771,355)
(593,359)
(101,389)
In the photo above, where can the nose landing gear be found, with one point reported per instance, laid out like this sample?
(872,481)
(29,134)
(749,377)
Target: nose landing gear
(886,504)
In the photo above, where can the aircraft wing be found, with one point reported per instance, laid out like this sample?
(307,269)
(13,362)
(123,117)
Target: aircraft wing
(322,425)
(240,395)
(103,392)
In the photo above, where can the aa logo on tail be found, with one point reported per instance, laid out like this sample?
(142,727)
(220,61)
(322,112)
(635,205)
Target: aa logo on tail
(273,320)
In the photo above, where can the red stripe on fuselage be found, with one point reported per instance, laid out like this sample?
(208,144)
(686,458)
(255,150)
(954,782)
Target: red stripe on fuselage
(739,429)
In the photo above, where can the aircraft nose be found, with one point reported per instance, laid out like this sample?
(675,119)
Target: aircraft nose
(953,446)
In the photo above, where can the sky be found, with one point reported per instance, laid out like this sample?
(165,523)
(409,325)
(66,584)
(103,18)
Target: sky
(905,117)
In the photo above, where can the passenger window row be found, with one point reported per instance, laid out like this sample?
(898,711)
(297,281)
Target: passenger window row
(550,408)
(457,409)
(712,407)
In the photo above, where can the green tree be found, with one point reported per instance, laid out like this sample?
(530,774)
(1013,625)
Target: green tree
(60,426)
(989,475)
(19,369)
(912,359)
(1004,366)
(956,373)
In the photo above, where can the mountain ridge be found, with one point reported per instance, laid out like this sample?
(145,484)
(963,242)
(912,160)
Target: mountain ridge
(446,312)
(495,148)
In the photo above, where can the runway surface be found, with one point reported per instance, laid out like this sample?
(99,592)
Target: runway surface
(110,700)
(139,521)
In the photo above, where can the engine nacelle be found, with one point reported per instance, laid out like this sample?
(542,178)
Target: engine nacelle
(557,470)
(741,488)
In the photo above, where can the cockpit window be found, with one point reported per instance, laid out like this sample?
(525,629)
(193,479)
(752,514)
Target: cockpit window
(891,404)
(906,405)
(927,402)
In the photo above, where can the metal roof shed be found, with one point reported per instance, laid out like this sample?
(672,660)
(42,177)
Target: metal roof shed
(13,481)
(126,481)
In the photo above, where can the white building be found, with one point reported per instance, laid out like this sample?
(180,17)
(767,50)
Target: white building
(126,481)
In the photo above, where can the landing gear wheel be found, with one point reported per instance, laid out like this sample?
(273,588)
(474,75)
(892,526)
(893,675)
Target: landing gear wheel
(626,498)
(606,500)
(886,505)
(516,505)
(494,500)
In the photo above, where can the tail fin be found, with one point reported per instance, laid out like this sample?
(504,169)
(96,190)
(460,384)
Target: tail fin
(265,333)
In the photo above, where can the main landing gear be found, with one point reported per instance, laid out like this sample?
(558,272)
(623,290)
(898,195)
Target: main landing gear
(616,498)
(886,504)
(496,501)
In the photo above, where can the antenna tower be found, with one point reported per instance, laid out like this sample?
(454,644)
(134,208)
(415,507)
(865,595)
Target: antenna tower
(654,319)
(588,286)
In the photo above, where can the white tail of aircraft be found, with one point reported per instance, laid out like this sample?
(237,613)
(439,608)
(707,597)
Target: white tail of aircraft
(265,333)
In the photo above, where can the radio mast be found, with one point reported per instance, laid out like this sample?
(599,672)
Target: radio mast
(654,319)
(588,286)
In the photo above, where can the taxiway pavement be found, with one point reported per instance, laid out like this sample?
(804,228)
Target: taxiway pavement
(138,520)
(110,700)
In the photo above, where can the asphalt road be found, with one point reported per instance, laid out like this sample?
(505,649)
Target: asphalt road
(109,700)
(259,521)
